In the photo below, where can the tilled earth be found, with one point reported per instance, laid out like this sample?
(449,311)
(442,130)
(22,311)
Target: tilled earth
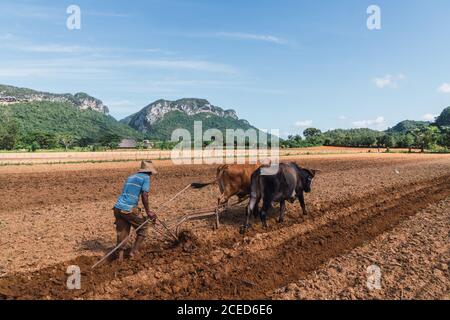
(391,211)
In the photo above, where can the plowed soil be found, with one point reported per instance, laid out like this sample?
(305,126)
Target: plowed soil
(54,216)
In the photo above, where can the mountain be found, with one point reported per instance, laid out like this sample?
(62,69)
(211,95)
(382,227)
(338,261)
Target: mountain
(79,115)
(444,118)
(159,119)
(12,95)
(407,126)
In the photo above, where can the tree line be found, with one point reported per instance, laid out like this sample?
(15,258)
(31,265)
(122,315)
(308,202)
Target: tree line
(434,136)
(427,138)
(407,134)
(11,138)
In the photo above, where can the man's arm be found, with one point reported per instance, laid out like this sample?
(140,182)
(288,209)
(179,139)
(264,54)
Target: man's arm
(150,213)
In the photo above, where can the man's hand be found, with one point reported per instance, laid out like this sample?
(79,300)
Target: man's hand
(151,215)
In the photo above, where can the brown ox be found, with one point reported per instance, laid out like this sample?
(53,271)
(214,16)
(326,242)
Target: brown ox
(233,180)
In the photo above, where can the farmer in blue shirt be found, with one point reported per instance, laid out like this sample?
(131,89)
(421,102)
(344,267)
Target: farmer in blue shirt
(126,209)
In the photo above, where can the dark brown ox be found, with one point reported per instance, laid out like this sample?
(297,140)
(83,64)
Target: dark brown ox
(233,180)
(285,184)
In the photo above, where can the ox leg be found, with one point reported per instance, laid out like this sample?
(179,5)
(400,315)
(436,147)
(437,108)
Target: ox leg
(256,208)
(263,214)
(301,198)
(282,211)
(250,209)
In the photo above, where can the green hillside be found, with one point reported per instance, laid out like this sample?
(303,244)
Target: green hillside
(444,118)
(54,118)
(159,119)
(162,130)
(407,126)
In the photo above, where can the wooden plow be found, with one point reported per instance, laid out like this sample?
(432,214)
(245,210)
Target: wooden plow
(201,214)
(172,229)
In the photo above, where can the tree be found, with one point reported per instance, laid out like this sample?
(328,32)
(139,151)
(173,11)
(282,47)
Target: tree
(313,136)
(369,140)
(445,137)
(41,140)
(66,140)
(295,141)
(110,140)
(427,137)
(312,132)
(33,146)
(9,135)
(85,142)
(387,141)
(406,141)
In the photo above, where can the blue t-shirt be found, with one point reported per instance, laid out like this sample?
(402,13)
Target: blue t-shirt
(132,189)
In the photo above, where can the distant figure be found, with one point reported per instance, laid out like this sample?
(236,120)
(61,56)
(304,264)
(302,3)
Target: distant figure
(126,209)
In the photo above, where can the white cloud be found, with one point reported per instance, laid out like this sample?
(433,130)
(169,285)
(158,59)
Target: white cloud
(55,48)
(429,117)
(22,72)
(24,46)
(304,124)
(6,36)
(29,11)
(236,36)
(32,11)
(198,65)
(388,81)
(342,118)
(378,123)
(92,67)
(106,14)
(249,36)
(444,88)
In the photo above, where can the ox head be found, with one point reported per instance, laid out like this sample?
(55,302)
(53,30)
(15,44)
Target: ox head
(308,176)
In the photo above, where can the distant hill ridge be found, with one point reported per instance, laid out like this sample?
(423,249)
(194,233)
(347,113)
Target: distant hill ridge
(83,101)
(156,111)
(160,118)
(85,116)
(407,126)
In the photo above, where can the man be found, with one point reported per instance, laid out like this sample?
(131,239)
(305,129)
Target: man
(126,209)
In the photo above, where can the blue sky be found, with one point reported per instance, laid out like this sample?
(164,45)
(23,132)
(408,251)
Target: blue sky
(280,64)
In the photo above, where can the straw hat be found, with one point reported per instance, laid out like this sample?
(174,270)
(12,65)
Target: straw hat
(148,167)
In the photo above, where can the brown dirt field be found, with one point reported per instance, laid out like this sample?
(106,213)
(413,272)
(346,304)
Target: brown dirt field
(413,260)
(53,216)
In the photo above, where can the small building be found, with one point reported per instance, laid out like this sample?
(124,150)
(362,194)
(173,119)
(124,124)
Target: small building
(127,144)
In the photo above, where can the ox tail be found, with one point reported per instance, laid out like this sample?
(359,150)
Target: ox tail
(197,185)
